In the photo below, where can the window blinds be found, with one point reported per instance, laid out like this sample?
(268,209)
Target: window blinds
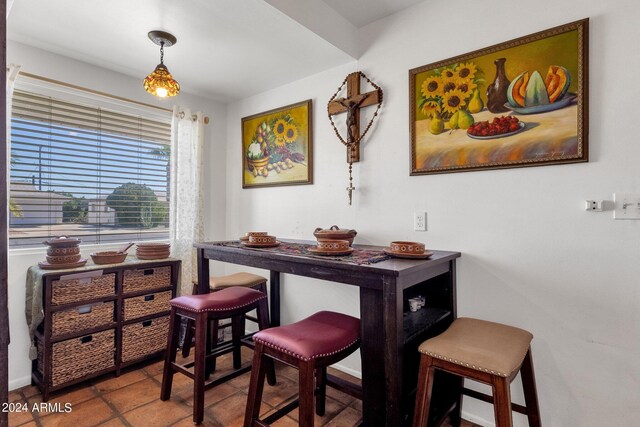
(87,172)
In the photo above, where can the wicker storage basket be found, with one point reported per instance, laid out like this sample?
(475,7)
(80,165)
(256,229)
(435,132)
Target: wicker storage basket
(77,290)
(146,278)
(144,338)
(77,319)
(77,357)
(146,304)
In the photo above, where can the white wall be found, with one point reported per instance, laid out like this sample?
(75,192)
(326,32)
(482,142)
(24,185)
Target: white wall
(532,257)
(46,64)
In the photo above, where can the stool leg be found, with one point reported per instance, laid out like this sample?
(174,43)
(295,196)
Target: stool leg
(188,339)
(306,373)
(198,374)
(530,392)
(237,331)
(321,390)
(256,386)
(170,355)
(262,311)
(423,394)
(502,401)
(212,343)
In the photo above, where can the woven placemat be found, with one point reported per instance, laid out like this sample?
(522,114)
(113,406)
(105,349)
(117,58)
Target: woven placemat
(358,256)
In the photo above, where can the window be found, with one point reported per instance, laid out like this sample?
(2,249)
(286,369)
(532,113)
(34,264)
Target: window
(86,171)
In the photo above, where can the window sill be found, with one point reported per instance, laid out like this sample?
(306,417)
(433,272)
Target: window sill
(84,249)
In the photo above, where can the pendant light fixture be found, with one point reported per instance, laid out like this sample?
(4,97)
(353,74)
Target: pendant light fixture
(160,82)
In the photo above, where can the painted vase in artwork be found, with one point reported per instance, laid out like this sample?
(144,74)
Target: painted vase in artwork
(497,91)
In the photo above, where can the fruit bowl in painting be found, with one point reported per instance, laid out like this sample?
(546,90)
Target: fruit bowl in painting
(500,135)
(568,99)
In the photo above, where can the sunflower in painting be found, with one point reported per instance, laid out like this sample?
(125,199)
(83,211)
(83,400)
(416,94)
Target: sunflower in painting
(447,90)
(432,86)
(279,128)
(453,101)
(290,134)
(467,70)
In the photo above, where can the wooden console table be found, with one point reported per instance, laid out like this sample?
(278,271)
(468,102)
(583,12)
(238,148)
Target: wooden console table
(390,335)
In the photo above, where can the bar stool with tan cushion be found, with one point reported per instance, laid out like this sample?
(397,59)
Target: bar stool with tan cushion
(483,351)
(310,345)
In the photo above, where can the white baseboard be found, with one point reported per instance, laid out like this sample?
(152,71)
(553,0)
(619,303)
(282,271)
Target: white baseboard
(346,370)
(477,420)
(19,382)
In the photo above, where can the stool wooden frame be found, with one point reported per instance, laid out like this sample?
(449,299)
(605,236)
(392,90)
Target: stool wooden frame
(206,353)
(309,371)
(500,385)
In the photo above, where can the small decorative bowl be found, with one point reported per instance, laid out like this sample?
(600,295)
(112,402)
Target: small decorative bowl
(256,233)
(108,257)
(262,239)
(409,248)
(54,251)
(63,259)
(333,245)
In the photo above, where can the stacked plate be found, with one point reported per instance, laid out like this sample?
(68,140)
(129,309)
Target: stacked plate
(153,250)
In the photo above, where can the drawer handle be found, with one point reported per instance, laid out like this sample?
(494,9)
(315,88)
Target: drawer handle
(148,272)
(149,297)
(86,339)
(84,310)
(146,323)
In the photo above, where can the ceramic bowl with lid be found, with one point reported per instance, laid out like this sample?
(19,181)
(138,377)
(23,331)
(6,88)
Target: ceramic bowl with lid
(62,242)
(335,233)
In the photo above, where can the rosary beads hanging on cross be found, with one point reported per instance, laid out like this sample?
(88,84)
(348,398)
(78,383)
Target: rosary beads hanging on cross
(352,105)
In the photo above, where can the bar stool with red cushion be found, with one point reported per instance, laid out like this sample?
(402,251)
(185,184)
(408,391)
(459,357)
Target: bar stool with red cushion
(483,351)
(310,345)
(231,303)
(242,279)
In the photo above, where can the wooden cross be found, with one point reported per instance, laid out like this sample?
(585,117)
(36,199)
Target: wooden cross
(352,105)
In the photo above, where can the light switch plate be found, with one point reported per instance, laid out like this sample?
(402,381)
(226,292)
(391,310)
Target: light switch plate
(627,206)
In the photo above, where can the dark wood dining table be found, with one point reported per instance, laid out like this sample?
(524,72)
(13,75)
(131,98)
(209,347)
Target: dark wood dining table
(390,334)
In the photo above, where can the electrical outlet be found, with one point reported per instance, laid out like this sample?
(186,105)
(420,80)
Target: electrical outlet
(420,221)
(593,205)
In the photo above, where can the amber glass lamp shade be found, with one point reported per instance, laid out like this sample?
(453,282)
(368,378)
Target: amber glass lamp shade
(161,83)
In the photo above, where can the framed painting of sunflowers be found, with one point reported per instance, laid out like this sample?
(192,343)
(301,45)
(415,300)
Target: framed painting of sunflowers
(277,147)
(518,103)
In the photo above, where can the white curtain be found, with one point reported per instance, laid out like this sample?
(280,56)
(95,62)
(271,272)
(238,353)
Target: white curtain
(186,198)
(12,74)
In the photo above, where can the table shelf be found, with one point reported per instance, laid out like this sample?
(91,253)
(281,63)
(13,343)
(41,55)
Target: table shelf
(416,323)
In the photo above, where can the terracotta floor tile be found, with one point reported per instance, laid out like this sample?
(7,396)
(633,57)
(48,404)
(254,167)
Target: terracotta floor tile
(188,422)
(113,422)
(74,395)
(19,417)
(134,395)
(332,408)
(30,391)
(155,368)
(31,424)
(109,384)
(85,414)
(347,417)
(15,396)
(229,412)
(157,414)
(284,390)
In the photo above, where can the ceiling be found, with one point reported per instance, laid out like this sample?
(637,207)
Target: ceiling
(226,49)
(363,12)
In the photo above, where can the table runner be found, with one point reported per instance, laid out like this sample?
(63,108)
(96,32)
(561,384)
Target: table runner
(358,256)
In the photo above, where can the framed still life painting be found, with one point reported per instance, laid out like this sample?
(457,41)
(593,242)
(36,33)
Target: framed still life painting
(519,103)
(277,147)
